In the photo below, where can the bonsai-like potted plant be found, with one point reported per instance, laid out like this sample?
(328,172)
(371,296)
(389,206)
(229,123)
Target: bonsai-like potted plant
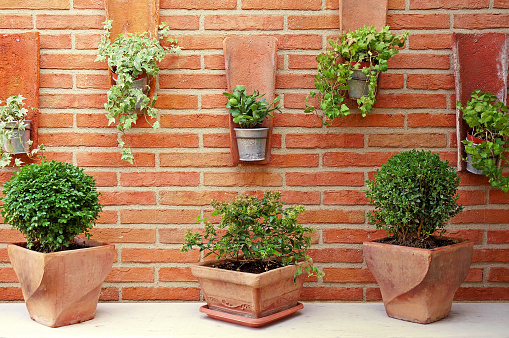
(15,131)
(249,111)
(352,64)
(60,274)
(418,270)
(260,254)
(133,60)
(488,138)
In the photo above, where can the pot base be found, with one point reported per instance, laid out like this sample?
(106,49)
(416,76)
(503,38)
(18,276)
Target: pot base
(246,321)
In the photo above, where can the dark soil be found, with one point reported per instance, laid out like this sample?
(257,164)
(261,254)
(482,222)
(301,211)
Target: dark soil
(248,266)
(72,246)
(428,243)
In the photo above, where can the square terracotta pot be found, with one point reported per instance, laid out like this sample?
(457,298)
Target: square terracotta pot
(62,288)
(418,285)
(247,294)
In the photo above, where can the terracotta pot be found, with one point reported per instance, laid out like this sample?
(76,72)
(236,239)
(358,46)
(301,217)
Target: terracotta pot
(247,294)
(62,288)
(418,285)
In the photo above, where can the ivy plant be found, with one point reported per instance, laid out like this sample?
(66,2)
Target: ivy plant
(12,117)
(131,56)
(247,110)
(489,121)
(336,65)
(50,203)
(414,195)
(255,229)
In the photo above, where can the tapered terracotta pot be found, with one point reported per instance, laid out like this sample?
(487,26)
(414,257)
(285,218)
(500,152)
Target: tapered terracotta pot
(247,294)
(62,288)
(418,285)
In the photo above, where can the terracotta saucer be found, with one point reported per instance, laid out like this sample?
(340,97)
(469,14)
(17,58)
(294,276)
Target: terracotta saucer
(246,321)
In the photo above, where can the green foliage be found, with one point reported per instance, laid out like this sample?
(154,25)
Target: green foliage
(246,110)
(12,114)
(362,45)
(50,203)
(130,56)
(256,230)
(488,121)
(414,195)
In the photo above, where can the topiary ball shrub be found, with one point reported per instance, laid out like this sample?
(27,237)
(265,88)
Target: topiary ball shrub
(50,203)
(414,195)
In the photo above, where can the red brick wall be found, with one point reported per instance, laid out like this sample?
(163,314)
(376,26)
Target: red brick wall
(186,163)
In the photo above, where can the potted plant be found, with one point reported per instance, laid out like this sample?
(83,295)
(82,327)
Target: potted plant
(352,64)
(260,252)
(249,113)
(487,141)
(132,58)
(418,270)
(15,131)
(60,274)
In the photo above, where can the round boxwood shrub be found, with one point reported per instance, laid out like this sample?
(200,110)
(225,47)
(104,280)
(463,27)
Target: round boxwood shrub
(414,195)
(50,203)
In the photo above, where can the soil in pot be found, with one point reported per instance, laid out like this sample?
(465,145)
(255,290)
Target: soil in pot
(249,266)
(431,242)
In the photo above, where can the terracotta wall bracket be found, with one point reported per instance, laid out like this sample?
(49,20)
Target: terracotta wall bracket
(19,74)
(251,61)
(480,63)
(354,14)
(133,16)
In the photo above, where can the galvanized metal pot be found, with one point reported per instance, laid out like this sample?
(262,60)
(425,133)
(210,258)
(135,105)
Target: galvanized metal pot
(358,84)
(18,143)
(470,168)
(251,143)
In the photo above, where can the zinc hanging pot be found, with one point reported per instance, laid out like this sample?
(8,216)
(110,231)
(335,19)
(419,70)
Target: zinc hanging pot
(251,143)
(18,142)
(470,168)
(418,285)
(141,82)
(358,84)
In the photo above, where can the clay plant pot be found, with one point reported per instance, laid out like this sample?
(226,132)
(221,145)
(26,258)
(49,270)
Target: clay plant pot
(62,288)
(418,285)
(358,84)
(247,298)
(470,168)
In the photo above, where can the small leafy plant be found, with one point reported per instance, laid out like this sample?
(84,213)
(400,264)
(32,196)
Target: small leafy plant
(12,117)
(246,110)
(414,195)
(336,65)
(131,56)
(489,121)
(254,230)
(50,203)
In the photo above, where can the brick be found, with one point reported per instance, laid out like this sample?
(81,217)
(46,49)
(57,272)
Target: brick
(332,216)
(159,179)
(88,4)
(92,81)
(419,61)
(418,21)
(474,275)
(181,22)
(313,22)
(293,160)
(491,255)
(88,41)
(296,61)
(158,216)
(371,120)
(163,140)
(176,101)
(467,179)
(300,197)
(342,255)
(418,120)
(348,159)
(481,21)
(7,275)
(172,61)
(285,81)
(202,41)
(430,81)
(70,61)
(327,178)
(430,41)
(109,294)
(171,274)
(214,61)
(103,179)
(59,21)
(498,197)
(55,81)
(498,236)
(61,156)
(56,41)
(175,235)
(313,5)
(501,4)
(352,236)
(307,141)
(345,197)
(482,294)
(213,101)
(198,4)
(391,81)
(194,120)
(450,4)
(10,21)
(472,235)
(159,256)
(56,120)
(131,274)
(10,293)
(498,274)
(95,159)
(11,236)
(62,101)
(73,139)
(128,197)
(395,4)
(107,217)
(192,198)
(373,294)
(244,22)
(4,257)
(489,216)
(413,140)
(297,120)
(318,293)
(41,4)
(412,101)
(299,41)
(472,197)
(216,140)
(195,160)
(348,275)
(192,81)
(242,179)
(160,293)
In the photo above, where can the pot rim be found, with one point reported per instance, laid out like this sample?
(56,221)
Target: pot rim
(96,245)
(476,140)
(377,242)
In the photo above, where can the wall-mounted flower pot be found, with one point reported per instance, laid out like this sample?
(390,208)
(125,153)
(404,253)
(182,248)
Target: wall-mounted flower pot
(358,84)
(251,143)
(62,288)
(418,285)
(18,143)
(141,82)
(470,168)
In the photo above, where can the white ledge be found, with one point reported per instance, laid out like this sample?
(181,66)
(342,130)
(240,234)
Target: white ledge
(314,320)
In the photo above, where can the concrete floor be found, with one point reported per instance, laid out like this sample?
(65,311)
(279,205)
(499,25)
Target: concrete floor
(314,320)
